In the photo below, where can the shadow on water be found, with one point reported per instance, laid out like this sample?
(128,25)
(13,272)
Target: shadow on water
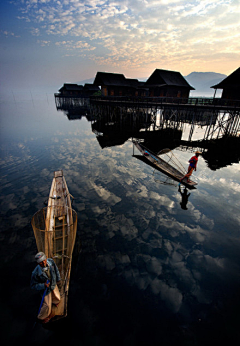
(185,195)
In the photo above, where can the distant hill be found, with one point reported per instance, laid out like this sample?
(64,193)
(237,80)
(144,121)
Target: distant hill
(202,81)
(86,81)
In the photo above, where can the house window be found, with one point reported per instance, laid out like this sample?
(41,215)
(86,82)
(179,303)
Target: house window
(104,91)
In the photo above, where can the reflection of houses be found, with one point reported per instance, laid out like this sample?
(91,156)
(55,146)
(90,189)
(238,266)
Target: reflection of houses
(110,139)
(112,130)
(230,86)
(115,129)
(161,139)
(115,84)
(221,152)
(166,83)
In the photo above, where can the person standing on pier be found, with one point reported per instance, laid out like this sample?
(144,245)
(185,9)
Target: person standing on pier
(192,166)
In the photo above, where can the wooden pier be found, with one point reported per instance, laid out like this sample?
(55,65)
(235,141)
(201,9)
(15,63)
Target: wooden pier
(220,117)
(162,127)
(66,103)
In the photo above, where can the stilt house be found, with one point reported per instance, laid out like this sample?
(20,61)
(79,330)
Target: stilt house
(90,89)
(71,90)
(164,83)
(230,86)
(115,84)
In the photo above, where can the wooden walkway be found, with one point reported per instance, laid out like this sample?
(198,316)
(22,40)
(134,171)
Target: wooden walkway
(220,117)
(168,102)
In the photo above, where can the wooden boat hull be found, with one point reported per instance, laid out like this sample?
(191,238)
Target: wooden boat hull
(162,166)
(58,238)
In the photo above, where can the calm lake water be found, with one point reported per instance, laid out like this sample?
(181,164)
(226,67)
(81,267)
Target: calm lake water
(145,271)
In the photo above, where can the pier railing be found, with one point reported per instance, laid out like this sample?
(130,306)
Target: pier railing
(145,101)
(193,101)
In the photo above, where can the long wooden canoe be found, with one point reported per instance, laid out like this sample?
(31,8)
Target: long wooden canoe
(161,165)
(55,232)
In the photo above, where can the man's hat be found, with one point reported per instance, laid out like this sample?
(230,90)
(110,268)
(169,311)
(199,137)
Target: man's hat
(198,152)
(40,256)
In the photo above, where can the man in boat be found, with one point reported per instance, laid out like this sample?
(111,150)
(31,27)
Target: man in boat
(46,276)
(192,165)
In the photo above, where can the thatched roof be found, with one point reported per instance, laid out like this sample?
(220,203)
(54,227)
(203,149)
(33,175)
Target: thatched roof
(105,78)
(90,87)
(160,78)
(232,81)
(115,79)
(71,87)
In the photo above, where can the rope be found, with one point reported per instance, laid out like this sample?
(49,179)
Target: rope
(178,164)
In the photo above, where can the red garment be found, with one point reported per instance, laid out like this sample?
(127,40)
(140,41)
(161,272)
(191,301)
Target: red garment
(193,161)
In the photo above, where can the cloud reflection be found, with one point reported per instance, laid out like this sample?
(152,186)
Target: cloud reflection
(136,227)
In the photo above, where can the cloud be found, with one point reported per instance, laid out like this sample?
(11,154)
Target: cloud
(35,31)
(71,45)
(105,262)
(130,32)
(43,43)
(9,33)
(171,295)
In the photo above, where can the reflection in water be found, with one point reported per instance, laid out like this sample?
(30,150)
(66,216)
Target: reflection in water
(148,273)
(185,195)
(166,162)
(222,152)
(114,126)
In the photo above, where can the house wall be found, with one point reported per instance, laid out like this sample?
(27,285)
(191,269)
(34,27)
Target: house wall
(71,92)
(231,94)
(104,90)
(169,92)
(118,91)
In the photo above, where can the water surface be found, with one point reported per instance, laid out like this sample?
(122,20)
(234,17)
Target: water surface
(145,271)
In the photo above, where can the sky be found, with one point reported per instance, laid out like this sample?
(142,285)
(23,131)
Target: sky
(51,42)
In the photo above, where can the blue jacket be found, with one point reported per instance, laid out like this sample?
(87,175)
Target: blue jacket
(39,277)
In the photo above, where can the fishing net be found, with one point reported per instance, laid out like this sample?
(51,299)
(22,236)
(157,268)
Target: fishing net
(168,156)
(168,162)
(55,232)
